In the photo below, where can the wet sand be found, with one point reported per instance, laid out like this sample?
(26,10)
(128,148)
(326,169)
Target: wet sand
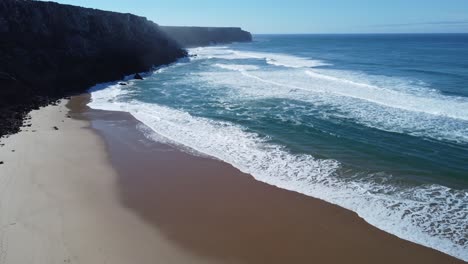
(98,191)
(211,209)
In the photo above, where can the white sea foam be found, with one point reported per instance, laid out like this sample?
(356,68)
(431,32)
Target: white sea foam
(417,112)
(435,105)
(236,67)
(322,83)
(270,58)
(416,214)
(431,215)
(341,83)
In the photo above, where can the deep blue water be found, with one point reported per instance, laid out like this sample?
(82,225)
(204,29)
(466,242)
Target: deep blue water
(375,123)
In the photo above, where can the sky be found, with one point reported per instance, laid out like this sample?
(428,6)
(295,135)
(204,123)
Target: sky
(300,16)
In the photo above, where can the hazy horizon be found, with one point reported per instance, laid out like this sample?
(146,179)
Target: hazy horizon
(300,16)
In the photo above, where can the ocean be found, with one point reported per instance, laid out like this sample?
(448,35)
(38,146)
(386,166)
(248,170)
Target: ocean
(377,124)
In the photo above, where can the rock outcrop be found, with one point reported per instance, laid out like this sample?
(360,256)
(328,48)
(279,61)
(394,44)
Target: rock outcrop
(49,50)
(203,36)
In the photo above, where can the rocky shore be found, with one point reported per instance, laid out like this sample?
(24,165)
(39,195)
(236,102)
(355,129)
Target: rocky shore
(49,51)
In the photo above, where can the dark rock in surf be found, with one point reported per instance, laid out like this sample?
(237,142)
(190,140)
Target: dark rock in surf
(137,77)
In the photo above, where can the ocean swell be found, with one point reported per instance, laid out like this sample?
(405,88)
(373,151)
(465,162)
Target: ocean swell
(388,104)
(431,215)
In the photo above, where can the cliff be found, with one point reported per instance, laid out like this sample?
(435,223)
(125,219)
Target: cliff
(203,36)
(49,50)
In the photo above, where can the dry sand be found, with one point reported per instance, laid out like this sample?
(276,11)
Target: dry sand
(75,196)
(59,204)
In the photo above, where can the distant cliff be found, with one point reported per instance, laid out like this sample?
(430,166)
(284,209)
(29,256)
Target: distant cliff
(203,36)
(49,50)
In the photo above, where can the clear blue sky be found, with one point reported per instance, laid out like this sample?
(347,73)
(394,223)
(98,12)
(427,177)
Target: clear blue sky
(301,16)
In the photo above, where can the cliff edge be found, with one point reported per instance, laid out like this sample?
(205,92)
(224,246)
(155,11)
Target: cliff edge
(49,50)
(204,36)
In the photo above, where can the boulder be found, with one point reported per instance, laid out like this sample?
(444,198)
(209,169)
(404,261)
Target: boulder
(137,77)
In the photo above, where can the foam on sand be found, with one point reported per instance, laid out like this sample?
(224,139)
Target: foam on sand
(419,214)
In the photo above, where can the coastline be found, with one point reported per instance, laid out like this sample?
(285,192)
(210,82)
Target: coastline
(227,214)
(99,45)
(58,199)
(155,201)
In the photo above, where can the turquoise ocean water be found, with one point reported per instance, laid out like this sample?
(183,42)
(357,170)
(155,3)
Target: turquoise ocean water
(377,124)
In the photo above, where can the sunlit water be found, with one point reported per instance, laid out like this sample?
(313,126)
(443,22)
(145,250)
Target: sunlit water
(377,124)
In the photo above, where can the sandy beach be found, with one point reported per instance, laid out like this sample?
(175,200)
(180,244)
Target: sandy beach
(59,200)
(87,186)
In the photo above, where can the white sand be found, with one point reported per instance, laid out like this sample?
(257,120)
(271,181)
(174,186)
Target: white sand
(59,202)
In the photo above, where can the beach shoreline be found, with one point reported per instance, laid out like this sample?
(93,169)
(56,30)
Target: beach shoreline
(58,199)
(153,201)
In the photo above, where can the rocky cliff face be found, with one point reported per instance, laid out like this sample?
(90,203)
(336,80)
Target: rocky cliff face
(203,36)
(49,50)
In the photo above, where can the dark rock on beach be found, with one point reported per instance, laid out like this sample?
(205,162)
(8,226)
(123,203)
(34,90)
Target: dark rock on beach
(137,77)
(49,51)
